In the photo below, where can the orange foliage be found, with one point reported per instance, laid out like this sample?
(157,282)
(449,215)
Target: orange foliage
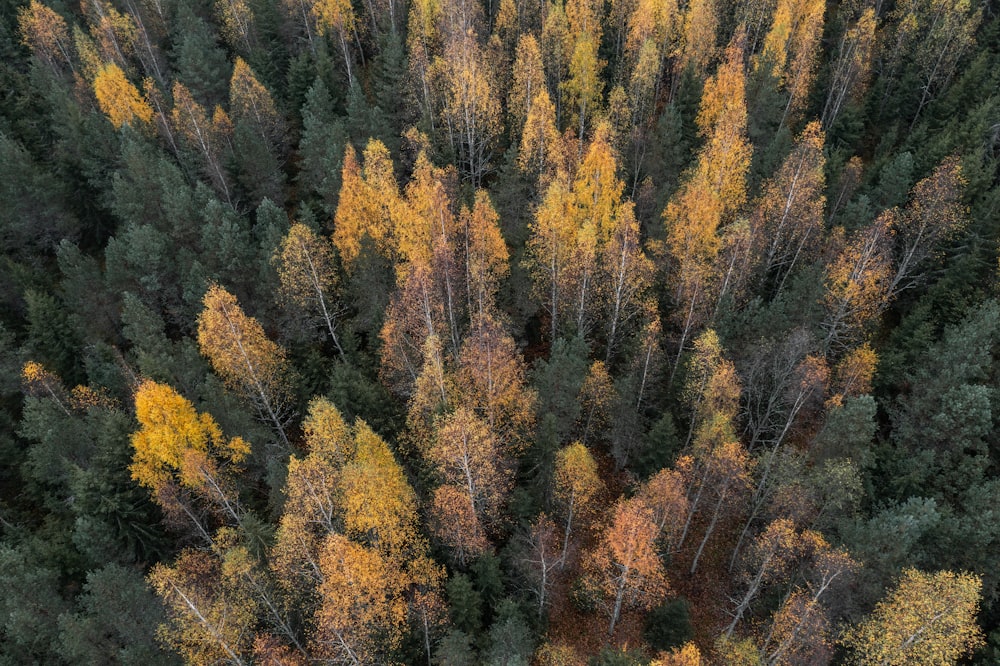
(624,570)
(362,616)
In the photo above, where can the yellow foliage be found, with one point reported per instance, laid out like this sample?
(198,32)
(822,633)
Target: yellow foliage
(174,439)
(241,353)
(528,80)
(211,614)
(362,616)
(577,483)
(701,23)
(335,15)
(929,618)
(369,203)
(540,141)
(379,506)
(686,655)
(45,33)
(250,101)
(119,99)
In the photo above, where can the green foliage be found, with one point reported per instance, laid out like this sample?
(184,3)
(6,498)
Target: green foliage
(669,625)
(52,338)
(116,621)
(30,599)
(321,148)
(466,604)
(510,640)
(109,238)
(455,648)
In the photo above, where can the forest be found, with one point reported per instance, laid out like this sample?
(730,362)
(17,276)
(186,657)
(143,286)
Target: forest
(503,332)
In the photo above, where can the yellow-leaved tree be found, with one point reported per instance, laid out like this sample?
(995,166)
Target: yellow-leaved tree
(244,357)
(714,190)
(179,453)
(929,618)
(119,99)
(577,485)
(308,275)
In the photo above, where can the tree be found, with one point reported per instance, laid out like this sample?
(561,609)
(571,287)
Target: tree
(455,522)
(244,357)
(714,190)
(577,485)
(801,629)
(114,36)
(550,249)
(528,81)
(313,501)
(416,313)
(119,99)
(468,458)
(851,71)
(379,506)
(791,47)
(859,282)
(491,380)
(486,258)
(652,28)
(557,49)
(786,226)
(933,215)
(237,22)
(584,87)
(598,398)
(251,103)
(212,616)
(772,552)
(664,495)
(177,448)
(471,109)
(626,274)
(725,474)
(581,232)
(624,569)
(929,618)
(45,33)
(698,50)
(368,203)
(931,36)
(208,137)
(306,269)
(685,655)
(541,559)
(540,148)
(362,616)
(337,16)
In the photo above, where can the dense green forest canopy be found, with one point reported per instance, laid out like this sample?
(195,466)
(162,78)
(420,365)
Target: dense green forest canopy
(453,332)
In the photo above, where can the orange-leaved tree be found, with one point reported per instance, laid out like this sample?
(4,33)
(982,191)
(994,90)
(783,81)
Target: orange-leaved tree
(469,461)
(624,570)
